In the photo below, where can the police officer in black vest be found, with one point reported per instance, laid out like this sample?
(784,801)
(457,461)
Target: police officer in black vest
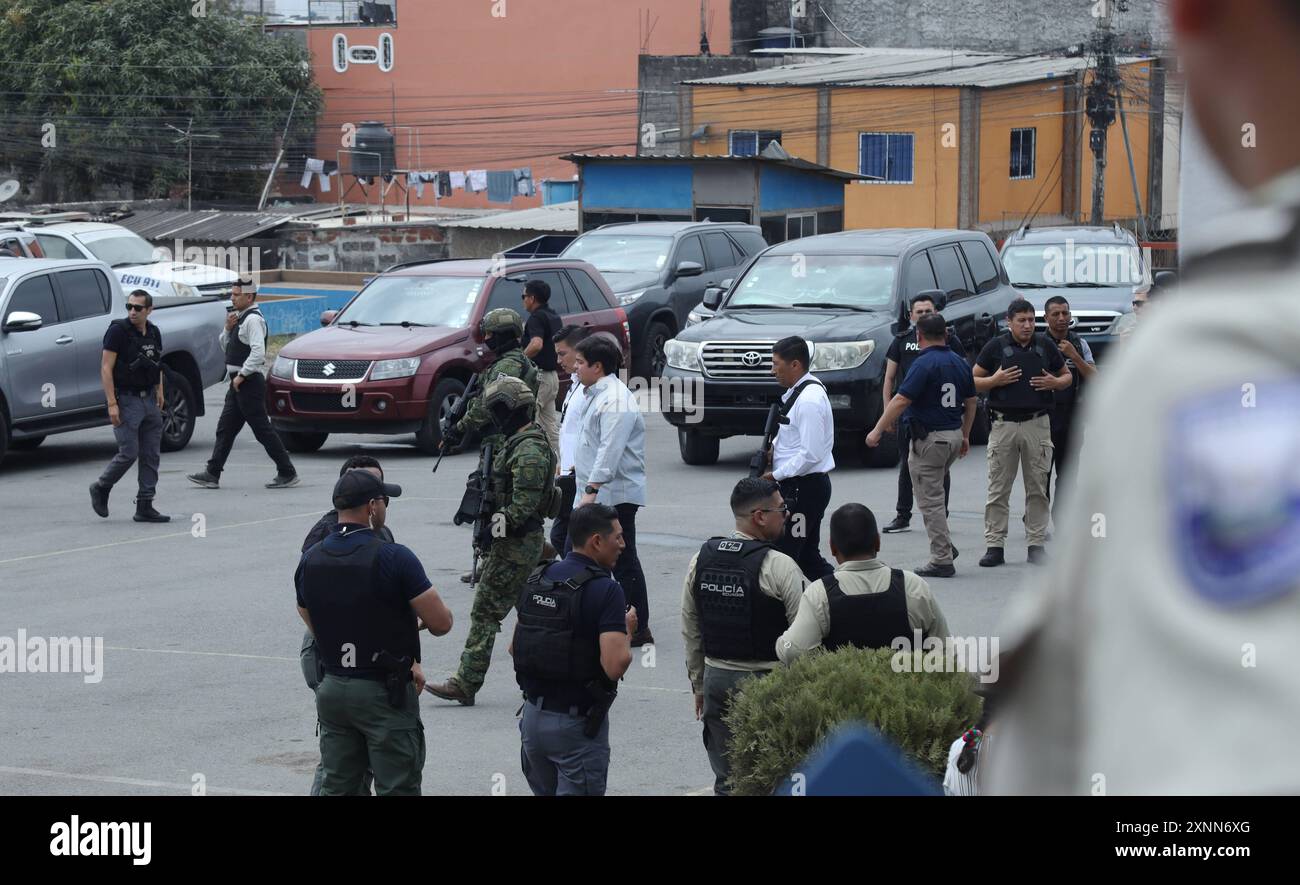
(903,351)
(864,603)
(1020,370)
(572,644)
(740,595)
(131,374)
(1078,359)
(246,398)
(360,598)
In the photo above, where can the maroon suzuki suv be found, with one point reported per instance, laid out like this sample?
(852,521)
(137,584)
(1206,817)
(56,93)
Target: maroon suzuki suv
(398,356)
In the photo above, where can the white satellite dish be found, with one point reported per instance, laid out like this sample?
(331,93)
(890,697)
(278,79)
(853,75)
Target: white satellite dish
(8,189)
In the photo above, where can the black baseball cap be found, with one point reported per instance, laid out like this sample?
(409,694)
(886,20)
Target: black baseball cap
(358,487)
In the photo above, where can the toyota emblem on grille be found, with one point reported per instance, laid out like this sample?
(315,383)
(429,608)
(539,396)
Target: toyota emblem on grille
(328,369)
(751,358)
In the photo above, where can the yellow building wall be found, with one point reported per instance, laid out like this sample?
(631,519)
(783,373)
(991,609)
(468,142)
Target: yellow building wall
(791,111)
(1119,201)
(1037,106)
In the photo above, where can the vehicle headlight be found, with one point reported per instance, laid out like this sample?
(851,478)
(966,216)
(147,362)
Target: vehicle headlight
(184,291)
(629,297)
(834,356)
(693,318)
(683,354)
(402,368)
(282,368)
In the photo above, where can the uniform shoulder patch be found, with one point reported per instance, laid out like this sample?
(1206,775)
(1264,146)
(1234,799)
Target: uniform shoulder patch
(730,546)
(1234,480)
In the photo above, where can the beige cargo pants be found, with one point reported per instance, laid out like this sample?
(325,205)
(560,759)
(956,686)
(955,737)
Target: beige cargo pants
(1024,447)
(548,387)
(928,461)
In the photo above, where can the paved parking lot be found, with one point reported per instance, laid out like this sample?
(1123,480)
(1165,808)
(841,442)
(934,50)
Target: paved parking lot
(201,635)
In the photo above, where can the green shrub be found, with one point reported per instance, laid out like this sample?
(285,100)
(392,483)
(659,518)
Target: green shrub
(778,720)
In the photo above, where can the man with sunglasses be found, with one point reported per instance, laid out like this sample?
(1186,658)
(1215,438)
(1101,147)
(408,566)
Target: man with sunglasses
(1078,359)
(741,594)
(131,373)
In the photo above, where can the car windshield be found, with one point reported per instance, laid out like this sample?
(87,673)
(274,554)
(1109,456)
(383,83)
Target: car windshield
(417,300)
(616,253)
(1073,264)
(117,248)
(865,282)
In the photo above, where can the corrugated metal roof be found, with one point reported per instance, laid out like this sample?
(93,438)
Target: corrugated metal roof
(791,163)
(211,225)
(914,67)
(556,218)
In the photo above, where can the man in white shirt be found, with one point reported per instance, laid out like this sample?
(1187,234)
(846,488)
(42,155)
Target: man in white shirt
(801,457)
(609,461)
(566,343)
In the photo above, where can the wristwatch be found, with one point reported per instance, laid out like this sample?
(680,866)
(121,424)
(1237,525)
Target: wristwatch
(591,490)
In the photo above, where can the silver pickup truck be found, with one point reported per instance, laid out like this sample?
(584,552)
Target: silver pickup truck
(53,315)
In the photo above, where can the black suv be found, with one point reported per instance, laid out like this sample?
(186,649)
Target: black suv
(847,294)
(659,270)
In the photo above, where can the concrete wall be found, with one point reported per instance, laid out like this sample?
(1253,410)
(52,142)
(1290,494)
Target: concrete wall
(472,242)
(664,104)
(360,249)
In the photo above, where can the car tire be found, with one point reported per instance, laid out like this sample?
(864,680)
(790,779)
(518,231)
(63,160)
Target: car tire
(651,360)
(26,445)
(979,430)
(445,395)
(301,443)
(698,449)
(178,413)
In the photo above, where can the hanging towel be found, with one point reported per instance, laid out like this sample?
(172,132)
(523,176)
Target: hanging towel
(524,182)
(458,181)
(500,187)
(419,178)
(322,170)
(477,180)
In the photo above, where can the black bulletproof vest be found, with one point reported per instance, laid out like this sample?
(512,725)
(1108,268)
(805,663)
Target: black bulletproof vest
(346,605)
(739,622)
(148,346)
(237,351)
(1031,361)
(548,641)
(866,620)
(1070,395)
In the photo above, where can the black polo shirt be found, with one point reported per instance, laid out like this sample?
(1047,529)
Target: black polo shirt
(906,347)
(543,323)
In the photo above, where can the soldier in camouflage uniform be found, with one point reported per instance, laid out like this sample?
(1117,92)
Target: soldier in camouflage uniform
(523,495)
(503,332)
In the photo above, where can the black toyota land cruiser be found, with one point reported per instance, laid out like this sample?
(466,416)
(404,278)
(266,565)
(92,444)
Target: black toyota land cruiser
(847,294)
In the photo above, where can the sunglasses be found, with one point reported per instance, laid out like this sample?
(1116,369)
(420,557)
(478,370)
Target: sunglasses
(784,508)
(1139,303)
(132,308)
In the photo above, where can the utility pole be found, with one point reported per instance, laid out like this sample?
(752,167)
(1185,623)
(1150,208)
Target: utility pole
(275,167)
(1100,102)
(188,136)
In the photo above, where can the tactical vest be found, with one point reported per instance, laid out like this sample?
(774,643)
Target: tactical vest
(503,479)
(739,622)
(344,597)
(548,644)
(237,351)
(517,364)
(148,345)
(866,620)
(1070,396)
(1032,362)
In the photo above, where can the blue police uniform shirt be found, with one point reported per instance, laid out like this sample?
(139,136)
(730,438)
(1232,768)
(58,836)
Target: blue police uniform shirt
(926,385)
(400,573)
(603,610)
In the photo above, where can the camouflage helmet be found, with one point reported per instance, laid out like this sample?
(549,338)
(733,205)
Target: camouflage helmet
(501,321)
(507,393)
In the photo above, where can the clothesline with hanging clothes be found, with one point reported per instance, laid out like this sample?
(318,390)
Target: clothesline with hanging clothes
(501,187)
(321,169)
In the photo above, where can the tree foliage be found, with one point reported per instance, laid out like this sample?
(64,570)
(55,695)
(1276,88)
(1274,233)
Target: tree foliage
(90,86)
(778,720)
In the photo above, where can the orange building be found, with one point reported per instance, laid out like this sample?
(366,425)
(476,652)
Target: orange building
(970,140)
(489,85)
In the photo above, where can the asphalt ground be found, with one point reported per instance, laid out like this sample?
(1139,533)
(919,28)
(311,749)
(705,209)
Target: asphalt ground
(200,674)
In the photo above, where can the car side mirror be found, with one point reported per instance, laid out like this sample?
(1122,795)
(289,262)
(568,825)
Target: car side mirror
(713,297)
(23,321)
(689,269)
(328,317)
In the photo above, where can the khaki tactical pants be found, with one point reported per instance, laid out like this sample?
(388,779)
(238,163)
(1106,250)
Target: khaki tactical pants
(548,388)
(928,461)
(1018,446)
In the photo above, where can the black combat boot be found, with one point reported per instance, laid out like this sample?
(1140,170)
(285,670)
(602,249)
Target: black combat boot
(144,512)
(99,498)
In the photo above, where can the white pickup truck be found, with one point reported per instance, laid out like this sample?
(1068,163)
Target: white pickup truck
(53,315)
(136,263)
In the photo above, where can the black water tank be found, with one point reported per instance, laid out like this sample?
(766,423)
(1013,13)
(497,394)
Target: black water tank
(373,138)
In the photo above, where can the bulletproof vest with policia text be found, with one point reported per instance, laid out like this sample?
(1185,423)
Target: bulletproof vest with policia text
(140,367)
(866,620)
(738,621)
(237,351)
(548,645)
(352,619)
(1032,362)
